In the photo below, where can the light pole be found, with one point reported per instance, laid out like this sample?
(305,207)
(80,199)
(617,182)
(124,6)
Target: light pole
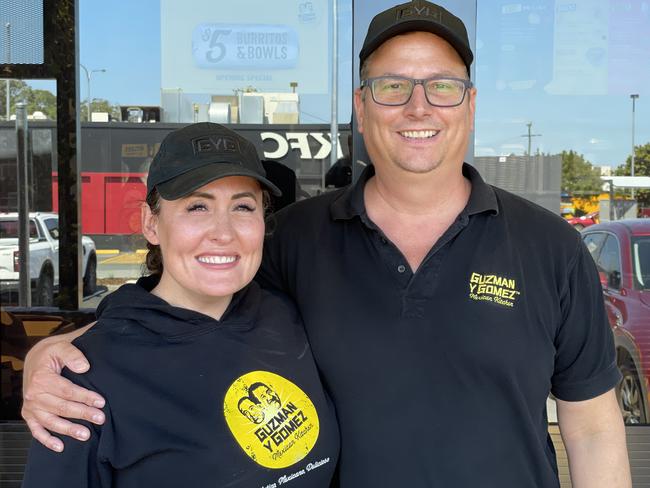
(633,97)
(88,76)
(8,61)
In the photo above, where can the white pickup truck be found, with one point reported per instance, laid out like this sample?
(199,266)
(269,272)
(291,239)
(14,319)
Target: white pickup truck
(43,257)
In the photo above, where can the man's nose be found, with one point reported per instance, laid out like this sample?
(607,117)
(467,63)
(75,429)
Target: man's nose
(418,103)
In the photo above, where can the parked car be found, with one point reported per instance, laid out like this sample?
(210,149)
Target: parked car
(43,257)
(587,220)
(621,250)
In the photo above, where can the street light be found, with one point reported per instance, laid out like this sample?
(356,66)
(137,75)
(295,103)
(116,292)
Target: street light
(633,97)
(8,61)
(88,76)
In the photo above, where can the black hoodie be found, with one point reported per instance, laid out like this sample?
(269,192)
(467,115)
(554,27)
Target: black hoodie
(196,402)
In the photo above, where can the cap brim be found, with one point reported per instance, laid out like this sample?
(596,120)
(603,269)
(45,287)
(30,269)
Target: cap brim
(186,183)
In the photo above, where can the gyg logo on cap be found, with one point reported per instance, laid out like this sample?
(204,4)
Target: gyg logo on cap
(215,145)
(418,10)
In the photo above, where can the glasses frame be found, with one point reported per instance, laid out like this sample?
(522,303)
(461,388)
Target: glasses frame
(368,83)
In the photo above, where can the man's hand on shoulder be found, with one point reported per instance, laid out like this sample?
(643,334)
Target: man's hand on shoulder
(47,396)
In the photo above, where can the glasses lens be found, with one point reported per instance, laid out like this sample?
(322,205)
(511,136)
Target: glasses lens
(445,93)
(391,91)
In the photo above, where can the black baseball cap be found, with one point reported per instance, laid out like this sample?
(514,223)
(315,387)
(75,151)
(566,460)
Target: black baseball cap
(197,154)
(418,15)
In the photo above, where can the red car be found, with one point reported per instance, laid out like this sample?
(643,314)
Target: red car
(587,220)
(621,250)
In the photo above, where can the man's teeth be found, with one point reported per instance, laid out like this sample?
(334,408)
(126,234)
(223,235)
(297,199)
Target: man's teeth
(419,134)
(217,259)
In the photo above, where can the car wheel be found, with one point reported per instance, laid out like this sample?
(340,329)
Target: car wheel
(44,296)
(630,396)
(90,276)
(578,227)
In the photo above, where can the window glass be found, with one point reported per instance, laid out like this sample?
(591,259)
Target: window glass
(641,262)
(36,169)
(609,261)
(593,241)
(9,227)
(554,108)
(264,70)
(52,227)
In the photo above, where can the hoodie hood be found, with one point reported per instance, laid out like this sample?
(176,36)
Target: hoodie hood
(134,302)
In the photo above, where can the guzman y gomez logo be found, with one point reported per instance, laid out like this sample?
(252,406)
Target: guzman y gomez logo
(493,288)
(272,419)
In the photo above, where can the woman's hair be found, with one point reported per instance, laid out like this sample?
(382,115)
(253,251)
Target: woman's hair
(154,259)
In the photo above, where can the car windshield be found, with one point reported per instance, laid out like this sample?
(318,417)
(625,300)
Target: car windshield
(641,261)
(9,229)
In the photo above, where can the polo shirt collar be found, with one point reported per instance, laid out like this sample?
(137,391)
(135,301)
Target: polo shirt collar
(350,203)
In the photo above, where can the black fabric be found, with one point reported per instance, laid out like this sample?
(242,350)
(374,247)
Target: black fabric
(166,373)
(285,179)
(418,15)
(440,377)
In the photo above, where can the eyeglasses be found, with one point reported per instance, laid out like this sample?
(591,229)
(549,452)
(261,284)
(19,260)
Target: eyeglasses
(397,90)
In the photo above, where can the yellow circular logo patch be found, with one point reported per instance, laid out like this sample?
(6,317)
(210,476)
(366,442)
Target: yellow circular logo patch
(273,420)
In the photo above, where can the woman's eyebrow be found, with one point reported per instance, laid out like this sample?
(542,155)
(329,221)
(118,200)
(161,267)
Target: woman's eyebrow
(244,194)
(210,196)
(201,194)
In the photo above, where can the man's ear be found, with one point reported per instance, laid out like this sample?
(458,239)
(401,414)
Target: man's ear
(472,105)
(358,108)
(149,223)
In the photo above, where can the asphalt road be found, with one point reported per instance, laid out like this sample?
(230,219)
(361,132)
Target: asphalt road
(114,270)
(125,266)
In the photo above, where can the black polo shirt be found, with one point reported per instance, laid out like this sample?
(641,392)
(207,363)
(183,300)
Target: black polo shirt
(440,377)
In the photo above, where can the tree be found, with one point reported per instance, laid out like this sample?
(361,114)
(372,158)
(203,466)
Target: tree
(579,177)
(45,101)
(641,168)
(42,101)
(99,105)
(36,100)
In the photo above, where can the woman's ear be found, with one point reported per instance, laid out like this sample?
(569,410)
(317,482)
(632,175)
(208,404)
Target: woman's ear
(149,223)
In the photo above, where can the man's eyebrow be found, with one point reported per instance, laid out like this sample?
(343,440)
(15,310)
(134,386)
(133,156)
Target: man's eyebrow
(437,74)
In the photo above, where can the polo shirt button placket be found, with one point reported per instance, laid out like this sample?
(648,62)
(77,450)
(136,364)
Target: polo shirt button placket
(401,268)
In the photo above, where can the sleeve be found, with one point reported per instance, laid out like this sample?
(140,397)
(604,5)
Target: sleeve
(585,360)
(272,272)
(79,465)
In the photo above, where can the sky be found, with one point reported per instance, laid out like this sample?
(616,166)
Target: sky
(566,66)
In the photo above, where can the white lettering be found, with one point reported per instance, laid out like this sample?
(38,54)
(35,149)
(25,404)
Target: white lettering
(293,476)
(298,140)
(326,145)
(317,464)
(282,149)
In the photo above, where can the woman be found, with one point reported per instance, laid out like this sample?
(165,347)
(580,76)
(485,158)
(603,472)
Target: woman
(209,380)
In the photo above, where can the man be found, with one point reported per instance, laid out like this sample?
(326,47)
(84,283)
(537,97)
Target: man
(265,395)
(441,311)
(251,410)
